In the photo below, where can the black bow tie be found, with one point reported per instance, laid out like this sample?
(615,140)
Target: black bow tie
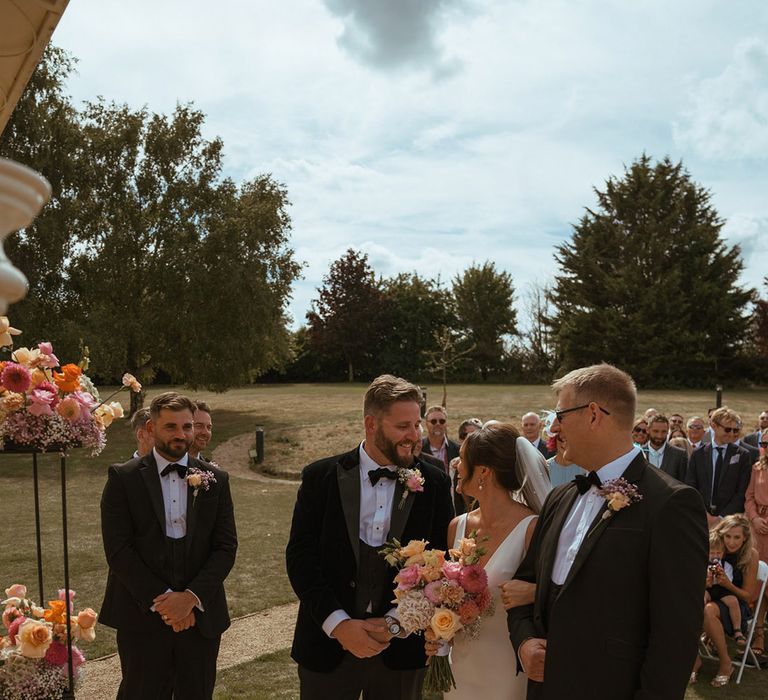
(382,472)
(584,483)
(180,469)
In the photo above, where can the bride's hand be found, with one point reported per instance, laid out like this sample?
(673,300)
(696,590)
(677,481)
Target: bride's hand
(431,643)
(515,593)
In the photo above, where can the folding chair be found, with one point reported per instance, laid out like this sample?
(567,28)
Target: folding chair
(762,579)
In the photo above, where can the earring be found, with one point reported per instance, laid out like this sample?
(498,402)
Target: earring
(481,483)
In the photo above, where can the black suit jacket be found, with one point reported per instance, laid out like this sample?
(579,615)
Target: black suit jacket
(737,469)
(675,462)
(322,553)
(753,450)
(626,622)
(752,439)
(133,530)
(452,450)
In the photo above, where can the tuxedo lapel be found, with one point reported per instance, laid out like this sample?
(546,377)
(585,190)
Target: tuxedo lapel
(598,525)
(706,470)
(191,505)
(400,515)
(149,474)
(348,478)
(551,539)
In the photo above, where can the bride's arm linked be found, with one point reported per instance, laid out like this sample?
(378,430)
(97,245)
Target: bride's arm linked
(514,593)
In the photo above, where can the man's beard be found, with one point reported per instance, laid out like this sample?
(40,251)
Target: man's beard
(656,445)
(177,450)
(389,449)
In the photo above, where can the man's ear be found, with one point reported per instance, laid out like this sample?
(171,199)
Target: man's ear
(370,422)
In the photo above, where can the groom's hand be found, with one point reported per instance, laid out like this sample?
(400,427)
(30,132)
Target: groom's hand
(174,607)
(185,624)
(378,629)
(532,653)
(355,638)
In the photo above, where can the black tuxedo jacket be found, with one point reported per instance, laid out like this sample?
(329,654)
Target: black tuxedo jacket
(626,622)
(675,462)
(322,552)
(133,530)
(737,469)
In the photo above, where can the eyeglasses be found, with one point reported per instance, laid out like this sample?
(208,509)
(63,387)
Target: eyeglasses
(729,430)
(435,421)
(764,444)
(639,430)
(561,412)
(695,427)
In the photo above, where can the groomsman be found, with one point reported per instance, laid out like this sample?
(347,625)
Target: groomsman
(347,639)
(203,430)
(169,547)
(144,442)
(619,583)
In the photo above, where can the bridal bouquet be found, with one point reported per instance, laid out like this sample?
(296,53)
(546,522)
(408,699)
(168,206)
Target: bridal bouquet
(440,595)
(34,655)
(47,406)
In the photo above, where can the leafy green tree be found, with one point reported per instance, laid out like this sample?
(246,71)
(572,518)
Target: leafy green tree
(347,319)
(647,283)
(417,307)
(484,306)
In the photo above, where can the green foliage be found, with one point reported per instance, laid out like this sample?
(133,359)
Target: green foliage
(648,284)
(347,320)
(484,305)
(145,251)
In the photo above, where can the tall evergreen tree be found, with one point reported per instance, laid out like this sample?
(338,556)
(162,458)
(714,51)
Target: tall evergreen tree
(484,305)
(647,283)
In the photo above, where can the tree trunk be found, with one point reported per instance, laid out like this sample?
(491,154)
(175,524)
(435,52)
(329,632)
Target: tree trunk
(445,388)
(350,372)
(137,402)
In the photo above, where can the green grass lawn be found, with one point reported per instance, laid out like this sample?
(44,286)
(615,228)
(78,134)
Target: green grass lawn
(302,423)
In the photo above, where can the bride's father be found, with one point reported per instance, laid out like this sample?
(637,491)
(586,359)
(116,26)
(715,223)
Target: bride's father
(347,640)
(619,582)
(170,542)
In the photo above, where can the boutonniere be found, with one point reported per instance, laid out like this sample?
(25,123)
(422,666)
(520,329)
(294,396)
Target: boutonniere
(199,479)
(412,481)
(618,494)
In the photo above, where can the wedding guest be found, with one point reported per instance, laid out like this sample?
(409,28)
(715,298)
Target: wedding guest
(532,431)
(144,441)
(168,559)
(677,433)
(459,502)
(470,425)
(561,471)
(346,639)
(741,555)
(649,412)
(756,509)
(696,432)
(720,471)
(585,639)
(676,421)
(203,431)
(640,432)
(717,592)
(437,442)
(682,444)
(754,453)
(659,453)
(760,433)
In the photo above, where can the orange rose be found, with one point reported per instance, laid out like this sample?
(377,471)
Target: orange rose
(58,609)
(68,380)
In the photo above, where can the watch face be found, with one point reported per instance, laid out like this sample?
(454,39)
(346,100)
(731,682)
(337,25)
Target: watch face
(394,628)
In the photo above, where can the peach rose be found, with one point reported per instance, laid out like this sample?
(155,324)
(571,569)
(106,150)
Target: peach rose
(34,639)
(17,590)
(117,409)
(413,547)
(194,480)
(434,558)
(130,381)
(445,623)
(467,547)
(85,625)
(617,501)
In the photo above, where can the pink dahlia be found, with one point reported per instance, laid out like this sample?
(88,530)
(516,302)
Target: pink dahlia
(468,612)
(483,600)
(16,378)
(473,579)
(57,655)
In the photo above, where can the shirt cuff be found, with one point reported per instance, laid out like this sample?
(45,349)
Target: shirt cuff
(198,604)
(333,620)
(168,591)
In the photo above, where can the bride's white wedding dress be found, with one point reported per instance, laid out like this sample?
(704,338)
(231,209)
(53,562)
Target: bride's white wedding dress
(484,668)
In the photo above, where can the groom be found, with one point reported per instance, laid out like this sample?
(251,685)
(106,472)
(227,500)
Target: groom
(347,638)
(619,590)
(169,548)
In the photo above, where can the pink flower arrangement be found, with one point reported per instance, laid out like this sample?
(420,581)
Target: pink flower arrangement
(34,654)
(43,409)
(439,597)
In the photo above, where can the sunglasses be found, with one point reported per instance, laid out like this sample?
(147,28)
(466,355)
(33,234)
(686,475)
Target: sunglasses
(729,430)
(764,444)
(639,430)
(695,427)
(560,413)
(435,421)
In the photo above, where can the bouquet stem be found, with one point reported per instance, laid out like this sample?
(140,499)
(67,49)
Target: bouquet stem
(439,678)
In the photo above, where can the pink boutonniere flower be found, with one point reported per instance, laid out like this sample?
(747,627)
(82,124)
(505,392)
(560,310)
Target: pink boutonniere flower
(199,479)
(412,480)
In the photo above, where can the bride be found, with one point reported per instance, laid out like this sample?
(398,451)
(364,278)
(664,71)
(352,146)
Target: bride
(508,478)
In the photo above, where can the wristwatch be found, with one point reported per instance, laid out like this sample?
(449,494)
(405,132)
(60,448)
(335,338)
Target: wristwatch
(393,625)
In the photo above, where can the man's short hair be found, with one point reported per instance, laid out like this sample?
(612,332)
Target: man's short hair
(202,406)
(432,409)
(658,418)
(466,423)
(139,419)
(386,390)
(531,413)
(172,401)
(606,385)
(675,415)
(725,414)
(693,418)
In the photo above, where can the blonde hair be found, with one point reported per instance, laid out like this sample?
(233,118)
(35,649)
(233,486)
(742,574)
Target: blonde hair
(386,390)
(744,555)
(725,414)
(606,385)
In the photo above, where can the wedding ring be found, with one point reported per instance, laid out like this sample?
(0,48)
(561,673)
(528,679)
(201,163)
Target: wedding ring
(165,617)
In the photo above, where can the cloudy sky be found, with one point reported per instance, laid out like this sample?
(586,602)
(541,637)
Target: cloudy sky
(434,133)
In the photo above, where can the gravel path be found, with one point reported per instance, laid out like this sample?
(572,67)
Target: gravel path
(249,636)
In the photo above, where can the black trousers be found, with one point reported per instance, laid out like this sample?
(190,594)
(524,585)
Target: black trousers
(367,676)
(166,664)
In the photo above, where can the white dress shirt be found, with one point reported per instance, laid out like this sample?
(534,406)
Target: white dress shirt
(375,516)
(655,457)
(174,496)
(583,512)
